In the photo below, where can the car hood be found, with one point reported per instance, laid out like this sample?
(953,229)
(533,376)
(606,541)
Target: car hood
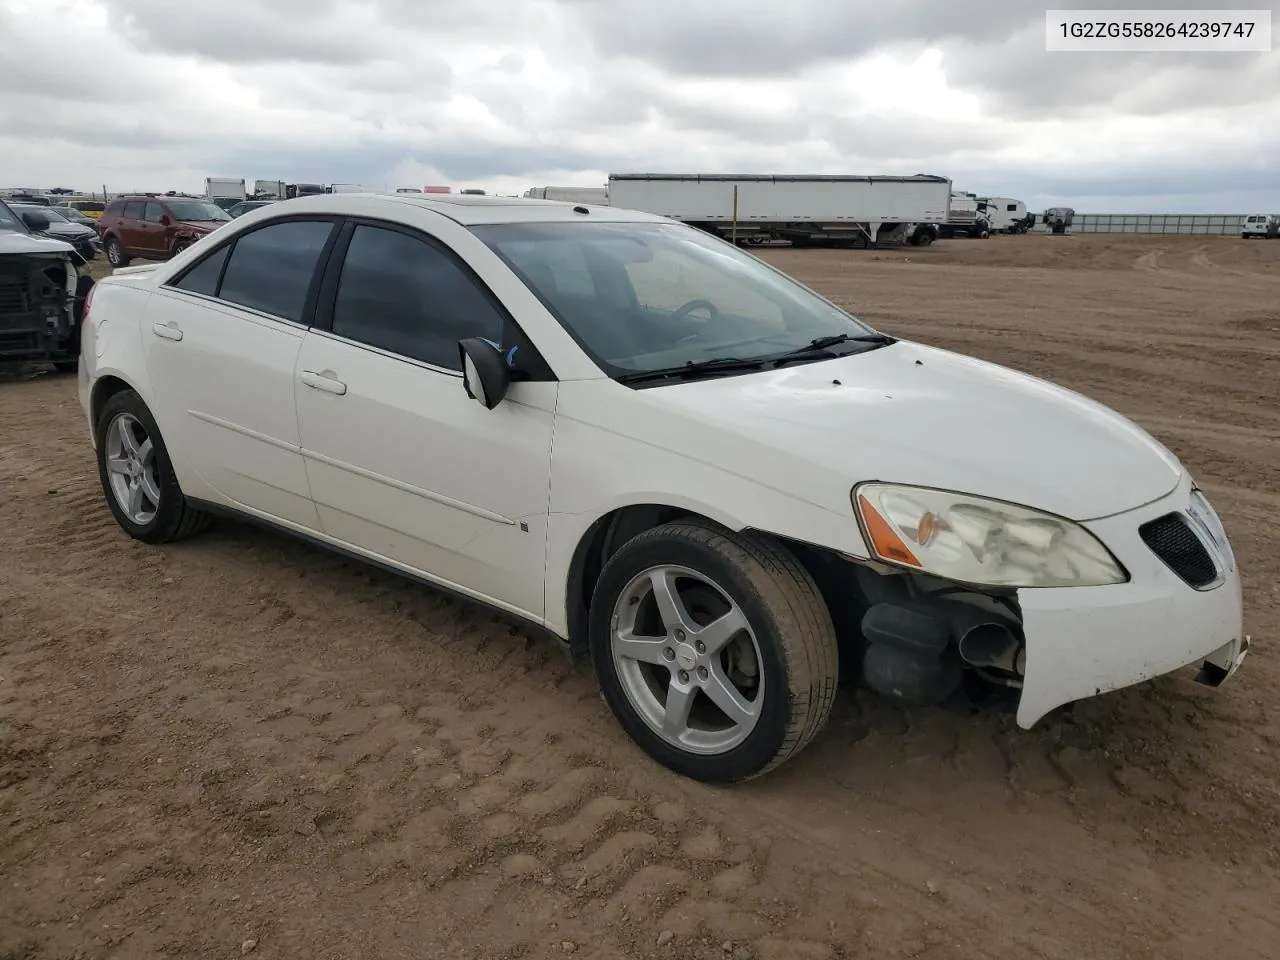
(202,226)
(74,230)
(914,414)
(22,243)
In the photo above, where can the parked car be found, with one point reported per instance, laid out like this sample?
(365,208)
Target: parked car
(90,208)
(662,450)
(75,216)
(1260,225)
(42,295)
(48,222)
(244,206)
(155,227)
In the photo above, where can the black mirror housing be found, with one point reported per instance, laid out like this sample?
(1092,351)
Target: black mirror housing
(485,373)
(36,222)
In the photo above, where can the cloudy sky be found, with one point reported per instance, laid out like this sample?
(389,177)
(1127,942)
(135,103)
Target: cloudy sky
(508,94)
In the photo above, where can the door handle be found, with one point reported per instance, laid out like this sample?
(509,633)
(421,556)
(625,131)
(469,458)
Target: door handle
(323,381)
(169,330)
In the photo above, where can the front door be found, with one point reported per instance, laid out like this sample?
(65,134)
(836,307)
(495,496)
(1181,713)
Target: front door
(222,347)
(402,463)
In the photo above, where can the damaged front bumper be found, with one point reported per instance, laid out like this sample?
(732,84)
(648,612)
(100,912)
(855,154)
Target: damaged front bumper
(1084,641)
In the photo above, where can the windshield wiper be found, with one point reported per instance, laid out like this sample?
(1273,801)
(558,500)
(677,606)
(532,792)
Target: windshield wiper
(819,344)
(692,369)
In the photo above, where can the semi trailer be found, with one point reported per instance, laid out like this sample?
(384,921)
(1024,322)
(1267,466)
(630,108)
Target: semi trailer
(815,210)
(596,195)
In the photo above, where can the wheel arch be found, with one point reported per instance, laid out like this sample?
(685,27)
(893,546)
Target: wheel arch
(106,386)
(612,529)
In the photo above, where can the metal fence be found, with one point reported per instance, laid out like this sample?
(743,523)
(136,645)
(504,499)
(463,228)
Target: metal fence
(1172,223)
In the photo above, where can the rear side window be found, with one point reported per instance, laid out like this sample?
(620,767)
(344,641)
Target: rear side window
(152,212)
(271,268)
(133,210)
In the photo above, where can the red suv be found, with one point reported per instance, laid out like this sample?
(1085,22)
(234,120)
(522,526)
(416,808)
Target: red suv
(155,227)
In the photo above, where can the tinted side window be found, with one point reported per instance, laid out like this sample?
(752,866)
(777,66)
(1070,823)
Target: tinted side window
(203,277)
(404,295)
(271,268)
(115,208)
(152,212)
(133,210)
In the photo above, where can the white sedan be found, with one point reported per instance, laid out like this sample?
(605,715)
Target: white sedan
(721,486)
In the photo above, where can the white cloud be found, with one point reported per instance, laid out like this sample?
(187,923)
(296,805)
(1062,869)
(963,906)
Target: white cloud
(508,94)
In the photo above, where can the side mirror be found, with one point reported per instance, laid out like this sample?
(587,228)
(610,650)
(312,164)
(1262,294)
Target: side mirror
(485,373)
(36,222)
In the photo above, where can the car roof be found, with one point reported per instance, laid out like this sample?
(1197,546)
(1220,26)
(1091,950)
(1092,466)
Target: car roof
(467,209)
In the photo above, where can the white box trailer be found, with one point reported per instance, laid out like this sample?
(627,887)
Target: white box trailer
(807,210)
(224,188)
(596,195)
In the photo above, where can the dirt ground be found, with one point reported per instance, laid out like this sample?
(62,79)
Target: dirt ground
(241,744)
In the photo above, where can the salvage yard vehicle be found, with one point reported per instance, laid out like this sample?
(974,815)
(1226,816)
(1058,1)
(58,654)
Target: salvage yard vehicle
(41,296)
(48,222)
(155,227)
(1260,225)
(667,453)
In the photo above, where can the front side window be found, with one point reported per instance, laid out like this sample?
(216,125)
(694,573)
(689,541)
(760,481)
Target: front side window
(271,268)
(401,294)
(198,211)
(664,295)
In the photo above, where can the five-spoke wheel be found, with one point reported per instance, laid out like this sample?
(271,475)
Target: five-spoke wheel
(714,649)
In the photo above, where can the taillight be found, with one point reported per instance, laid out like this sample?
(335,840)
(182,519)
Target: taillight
(88,300)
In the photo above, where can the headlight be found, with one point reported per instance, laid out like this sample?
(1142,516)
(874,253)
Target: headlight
(979,541)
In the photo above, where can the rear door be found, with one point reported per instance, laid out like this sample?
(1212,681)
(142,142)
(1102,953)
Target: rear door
(151,231)
(222,343)
(402,463)
(129,229)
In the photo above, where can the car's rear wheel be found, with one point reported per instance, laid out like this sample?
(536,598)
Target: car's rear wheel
(714,650)
(115,253)
(137,475)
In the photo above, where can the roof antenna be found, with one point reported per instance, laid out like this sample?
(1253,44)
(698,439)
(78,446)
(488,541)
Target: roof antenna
(581,210)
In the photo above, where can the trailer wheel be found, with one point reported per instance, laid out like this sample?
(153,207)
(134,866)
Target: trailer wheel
(923,238)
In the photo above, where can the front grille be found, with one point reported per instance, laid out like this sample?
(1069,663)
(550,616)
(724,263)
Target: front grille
(14,295)
(1172,540)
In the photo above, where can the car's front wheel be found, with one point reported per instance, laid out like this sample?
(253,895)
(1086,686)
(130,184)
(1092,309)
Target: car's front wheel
(137,475)
(714,650)
(115,253)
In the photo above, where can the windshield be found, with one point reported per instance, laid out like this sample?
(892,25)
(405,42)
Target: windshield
(649,296)
(196,210)
(9,220)
(49,213)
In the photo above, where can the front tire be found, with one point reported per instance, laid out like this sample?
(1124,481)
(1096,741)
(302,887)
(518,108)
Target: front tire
(115,253)
(137,475)
(713,649)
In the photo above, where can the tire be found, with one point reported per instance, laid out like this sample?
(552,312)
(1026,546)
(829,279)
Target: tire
(924,239)
(115,253)
(179,247)
(172,518)
(790,643)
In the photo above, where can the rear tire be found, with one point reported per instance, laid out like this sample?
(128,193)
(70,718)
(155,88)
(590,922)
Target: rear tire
(783,652)
(137,475)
